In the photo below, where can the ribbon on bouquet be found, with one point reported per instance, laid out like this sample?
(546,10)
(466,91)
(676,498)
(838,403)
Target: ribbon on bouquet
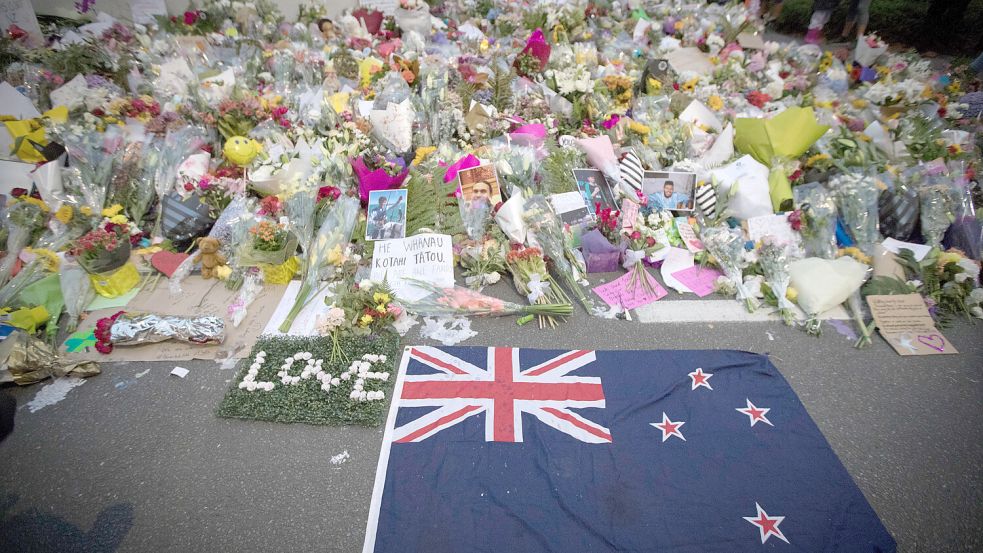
(537,288)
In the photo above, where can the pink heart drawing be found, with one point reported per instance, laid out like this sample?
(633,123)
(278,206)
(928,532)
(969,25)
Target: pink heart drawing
(933,341)
(167,262)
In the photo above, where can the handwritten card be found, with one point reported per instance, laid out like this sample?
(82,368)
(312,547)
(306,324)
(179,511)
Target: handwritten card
(629,213)
(630,295)
(688,235)
(698,279)
(426,257)
(904,321)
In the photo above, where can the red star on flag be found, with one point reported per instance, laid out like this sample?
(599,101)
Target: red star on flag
(768,526)
(757,414)
(669,428)
(700,378)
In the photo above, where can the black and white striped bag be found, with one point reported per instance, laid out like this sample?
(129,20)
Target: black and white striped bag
(706,200)
(631,170)
(184,219)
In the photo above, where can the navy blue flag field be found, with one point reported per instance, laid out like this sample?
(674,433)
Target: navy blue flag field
(519,450)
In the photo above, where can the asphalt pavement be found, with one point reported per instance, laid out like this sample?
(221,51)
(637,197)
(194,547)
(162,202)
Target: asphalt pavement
(136,460)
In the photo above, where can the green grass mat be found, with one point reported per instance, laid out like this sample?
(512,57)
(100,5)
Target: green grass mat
(306,402)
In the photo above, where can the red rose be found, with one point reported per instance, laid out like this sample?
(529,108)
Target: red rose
(190,18)
(635,235)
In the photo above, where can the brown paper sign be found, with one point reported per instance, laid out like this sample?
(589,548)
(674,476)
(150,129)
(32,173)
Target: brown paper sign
(904,321)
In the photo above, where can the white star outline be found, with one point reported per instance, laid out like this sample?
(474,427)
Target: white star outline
(705,380)
(767,534)
(666,423)
(755,419)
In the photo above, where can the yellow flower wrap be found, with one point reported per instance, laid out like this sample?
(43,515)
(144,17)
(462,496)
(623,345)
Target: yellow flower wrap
(116,283)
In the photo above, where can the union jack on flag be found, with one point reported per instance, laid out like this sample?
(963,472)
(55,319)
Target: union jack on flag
(502,392)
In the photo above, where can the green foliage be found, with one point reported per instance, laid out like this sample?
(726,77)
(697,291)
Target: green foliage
(898,21)
(887,286)
(533,20)
(501,88)
(431,203)
(83,57)
(556,170)
(306,402)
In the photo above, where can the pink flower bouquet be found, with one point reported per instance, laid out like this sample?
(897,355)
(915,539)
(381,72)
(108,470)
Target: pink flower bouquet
(534,56)
(458,300)
(380,178)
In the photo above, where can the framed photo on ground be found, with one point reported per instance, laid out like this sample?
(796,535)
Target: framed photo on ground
(666,190)
(386,215)
(480,183)
(595,189)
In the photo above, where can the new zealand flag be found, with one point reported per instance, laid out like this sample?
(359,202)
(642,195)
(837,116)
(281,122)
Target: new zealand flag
(502,449)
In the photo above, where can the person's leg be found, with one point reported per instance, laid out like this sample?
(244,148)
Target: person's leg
(863,16)
(977,64)
(819,20)
(851,18)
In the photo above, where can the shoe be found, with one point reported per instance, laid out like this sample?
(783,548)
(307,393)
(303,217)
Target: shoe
(814,36)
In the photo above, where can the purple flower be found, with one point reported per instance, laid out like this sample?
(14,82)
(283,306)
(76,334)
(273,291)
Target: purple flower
(83,6)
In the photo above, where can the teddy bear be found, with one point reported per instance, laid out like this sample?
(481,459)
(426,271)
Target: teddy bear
(209,257)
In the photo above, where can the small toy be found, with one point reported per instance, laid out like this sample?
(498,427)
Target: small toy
(209,257)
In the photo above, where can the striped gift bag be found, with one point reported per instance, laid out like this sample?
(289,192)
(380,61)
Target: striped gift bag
(631,170)
(183,220)
(898,211)
(706,200)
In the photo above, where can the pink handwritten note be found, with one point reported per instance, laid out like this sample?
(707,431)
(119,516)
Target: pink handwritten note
(629,212)
(630,295)
(698,279)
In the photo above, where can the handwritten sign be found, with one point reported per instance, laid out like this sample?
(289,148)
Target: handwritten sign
(904,321)
(426,257)
(688,235)
(630,295)
(698,279)
(629,213)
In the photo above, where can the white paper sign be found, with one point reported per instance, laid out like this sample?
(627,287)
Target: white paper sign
(426,257)
(895,246)
(144,10)
(21,13)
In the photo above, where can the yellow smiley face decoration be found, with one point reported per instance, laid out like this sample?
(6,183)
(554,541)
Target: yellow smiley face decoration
(241,150)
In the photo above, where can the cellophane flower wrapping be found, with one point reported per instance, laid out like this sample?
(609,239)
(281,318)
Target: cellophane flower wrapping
(868,49)
(773,256)
(23,218)
(966,232)
(77,292)
(92,159)
(334,232)
(252,286)
(938,209)
(898,205)
(546,231)
(28,275)
(856,198)
(726,245)
(600,255)
(532,279)
(457,300)
(175,148)
(475,215)
(515,164)
(818,227)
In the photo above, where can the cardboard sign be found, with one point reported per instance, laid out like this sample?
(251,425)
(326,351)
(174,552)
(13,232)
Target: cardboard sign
(426,257)
(904,321)
(629,213)
(628,295)
(198,297)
